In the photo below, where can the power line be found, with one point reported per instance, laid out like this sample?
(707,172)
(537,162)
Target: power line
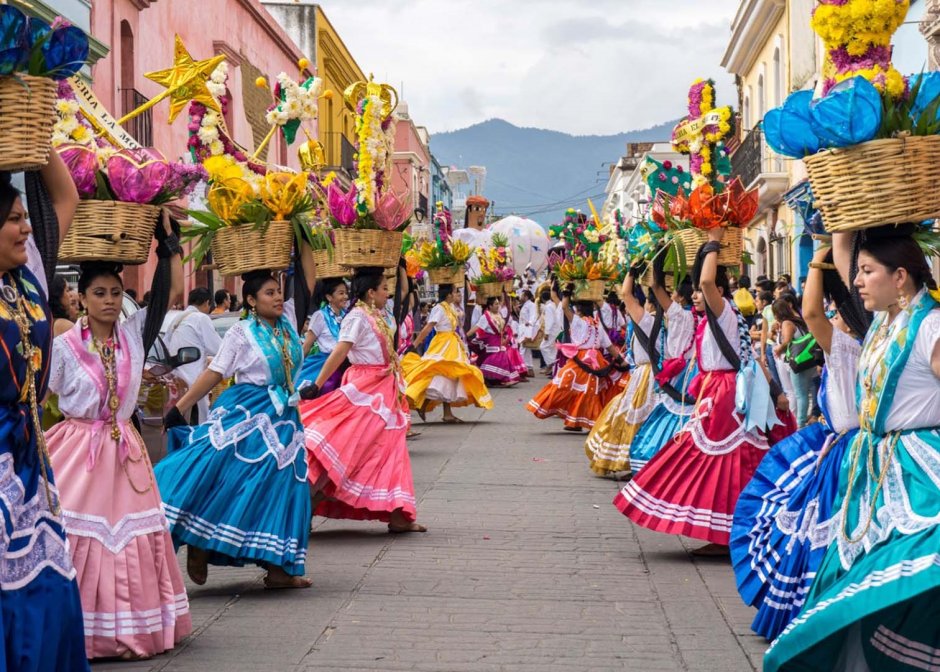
(558,202)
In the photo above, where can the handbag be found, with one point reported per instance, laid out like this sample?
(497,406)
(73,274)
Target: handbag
(803,353)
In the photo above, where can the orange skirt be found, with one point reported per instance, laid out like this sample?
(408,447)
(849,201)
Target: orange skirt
(574,395)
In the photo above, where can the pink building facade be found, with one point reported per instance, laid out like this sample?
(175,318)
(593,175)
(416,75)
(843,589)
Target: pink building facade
(412,160)
(140,36)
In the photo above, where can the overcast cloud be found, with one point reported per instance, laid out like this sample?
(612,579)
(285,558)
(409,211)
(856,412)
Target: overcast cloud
(583,67)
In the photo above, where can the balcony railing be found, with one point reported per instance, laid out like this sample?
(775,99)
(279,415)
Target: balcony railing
(339,152)
(141,126)
(753,158)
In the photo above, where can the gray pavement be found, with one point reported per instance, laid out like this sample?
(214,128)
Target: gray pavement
(527,567)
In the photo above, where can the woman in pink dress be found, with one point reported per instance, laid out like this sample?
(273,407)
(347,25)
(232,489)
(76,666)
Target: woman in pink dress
(357,456)
(132,593)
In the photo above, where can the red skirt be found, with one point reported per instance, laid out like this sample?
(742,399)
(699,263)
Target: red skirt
(692,484)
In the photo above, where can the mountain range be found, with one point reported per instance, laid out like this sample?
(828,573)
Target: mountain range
(535,172)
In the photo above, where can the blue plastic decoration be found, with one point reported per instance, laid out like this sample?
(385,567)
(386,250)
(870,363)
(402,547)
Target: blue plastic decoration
(849,114)
(39,31)
(14,46)
(788,129)
(928,92)
(65,52)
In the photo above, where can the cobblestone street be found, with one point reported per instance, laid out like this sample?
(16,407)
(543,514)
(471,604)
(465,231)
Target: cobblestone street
(527,567)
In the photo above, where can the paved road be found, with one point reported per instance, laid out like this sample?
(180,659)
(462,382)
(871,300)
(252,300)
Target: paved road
(527,567)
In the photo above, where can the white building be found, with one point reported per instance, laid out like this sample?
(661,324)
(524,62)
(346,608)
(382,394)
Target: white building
(626,189)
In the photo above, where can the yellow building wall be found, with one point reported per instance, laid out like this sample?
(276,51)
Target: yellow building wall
(764,63)
(338,69)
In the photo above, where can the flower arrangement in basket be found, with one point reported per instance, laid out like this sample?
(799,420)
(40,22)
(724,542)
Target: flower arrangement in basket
(33,55)
(248,228)
(872,130)
(369,218)
(444,257)
(122,191)
(496,273)
(589,276)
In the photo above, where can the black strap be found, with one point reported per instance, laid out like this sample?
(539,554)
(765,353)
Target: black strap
(727,350)
(649,344)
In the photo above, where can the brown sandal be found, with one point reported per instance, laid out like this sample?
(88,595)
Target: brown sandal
(197,565)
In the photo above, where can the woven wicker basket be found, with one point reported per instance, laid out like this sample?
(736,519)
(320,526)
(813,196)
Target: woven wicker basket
(449,275)
(589,290)
(890,181)
(242,248)
(487,289)
(328,268)
(358,248)
(27,114)
(732,246)
(647,279)
(110,231)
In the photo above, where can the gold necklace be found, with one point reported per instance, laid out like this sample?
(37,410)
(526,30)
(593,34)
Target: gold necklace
(286,360)
(33,356)
(107,353)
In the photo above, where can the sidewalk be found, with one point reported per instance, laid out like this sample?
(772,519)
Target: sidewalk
(527,567)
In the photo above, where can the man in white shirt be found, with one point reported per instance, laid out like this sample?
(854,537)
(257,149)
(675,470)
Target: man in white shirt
(193,328)
(552,322)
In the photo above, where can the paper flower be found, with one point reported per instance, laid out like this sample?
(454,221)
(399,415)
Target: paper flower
(14,47)
(137,175)
(82,162)
(788,129)
(342,205)
(391,211)
(849,114)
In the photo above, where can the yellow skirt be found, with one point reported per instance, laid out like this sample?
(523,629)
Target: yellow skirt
(444,375)
(608,444)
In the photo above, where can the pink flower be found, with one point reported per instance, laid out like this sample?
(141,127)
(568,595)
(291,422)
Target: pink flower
(342,205)
(667,164)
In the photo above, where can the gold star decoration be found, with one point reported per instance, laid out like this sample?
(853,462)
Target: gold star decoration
(185,82)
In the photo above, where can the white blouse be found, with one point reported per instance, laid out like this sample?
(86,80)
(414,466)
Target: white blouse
(711,358)
(640,355)
(528,320)
(366,348)
(321,332)
(680,330)
(842,367)
(241,356)
(916,403)
(612,319)
(440,320)
(79,396)
(586,335)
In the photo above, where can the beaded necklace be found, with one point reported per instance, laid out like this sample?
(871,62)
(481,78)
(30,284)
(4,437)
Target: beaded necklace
(107,352)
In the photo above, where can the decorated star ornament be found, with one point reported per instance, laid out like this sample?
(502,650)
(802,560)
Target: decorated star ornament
(185,82)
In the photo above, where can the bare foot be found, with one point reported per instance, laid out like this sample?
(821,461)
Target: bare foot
(277,579)
(197,564)
(129,656)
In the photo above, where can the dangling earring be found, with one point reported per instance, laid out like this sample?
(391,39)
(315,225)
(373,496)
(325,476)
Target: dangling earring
(254,314)
(903,302)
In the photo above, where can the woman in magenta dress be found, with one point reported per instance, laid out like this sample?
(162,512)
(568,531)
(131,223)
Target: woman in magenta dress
(132,592)
(690,487)
(357,456)
(494,345)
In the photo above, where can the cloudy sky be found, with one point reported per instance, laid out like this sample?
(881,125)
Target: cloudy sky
(579,66)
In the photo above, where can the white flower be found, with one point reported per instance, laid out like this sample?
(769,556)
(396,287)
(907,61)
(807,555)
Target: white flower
(281,117)
(220,74)
(208,135)
(59,138)
(294,108)
(210,119)
(68,125)
(216,147)
(271,117)
(310,110)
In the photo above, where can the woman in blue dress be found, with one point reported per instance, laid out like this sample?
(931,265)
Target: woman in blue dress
(235,487)
(331,298)
(783,519)
(673,374)
(874,603)
(39,603)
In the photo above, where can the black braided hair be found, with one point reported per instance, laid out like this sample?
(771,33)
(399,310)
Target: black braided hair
(44,221)
(160,286)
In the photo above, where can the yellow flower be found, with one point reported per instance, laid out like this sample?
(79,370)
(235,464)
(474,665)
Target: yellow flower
(226,199)
(282,192)
(79,133)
